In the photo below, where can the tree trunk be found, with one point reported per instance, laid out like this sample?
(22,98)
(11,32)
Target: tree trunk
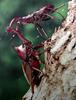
(60,62)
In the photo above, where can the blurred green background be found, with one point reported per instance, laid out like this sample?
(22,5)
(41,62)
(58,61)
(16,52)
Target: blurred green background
(12,82)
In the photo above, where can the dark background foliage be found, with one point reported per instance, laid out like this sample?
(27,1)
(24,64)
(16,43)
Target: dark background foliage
(12,82)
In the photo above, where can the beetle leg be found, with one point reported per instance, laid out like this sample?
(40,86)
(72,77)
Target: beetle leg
(41,30)
(14,20)
(37,70)
(20,36)
(32,86)
(51,17)
(42,73)
(17,28)
(55,10)
(45,50)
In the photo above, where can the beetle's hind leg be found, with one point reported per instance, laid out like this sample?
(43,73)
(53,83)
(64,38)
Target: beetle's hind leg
(41,72)
(41,31)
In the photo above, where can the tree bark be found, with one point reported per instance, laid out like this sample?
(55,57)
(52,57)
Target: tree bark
(60,62)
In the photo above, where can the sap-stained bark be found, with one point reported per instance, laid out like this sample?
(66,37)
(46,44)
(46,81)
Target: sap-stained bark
(60,63)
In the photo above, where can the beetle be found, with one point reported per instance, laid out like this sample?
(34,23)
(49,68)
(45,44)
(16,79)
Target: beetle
(37,17)
(26,51)
(30,60)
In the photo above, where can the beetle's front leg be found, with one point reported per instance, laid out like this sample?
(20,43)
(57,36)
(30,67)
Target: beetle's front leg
(16,20)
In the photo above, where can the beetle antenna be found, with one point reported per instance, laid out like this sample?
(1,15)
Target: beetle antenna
(61,15)
(59,7)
